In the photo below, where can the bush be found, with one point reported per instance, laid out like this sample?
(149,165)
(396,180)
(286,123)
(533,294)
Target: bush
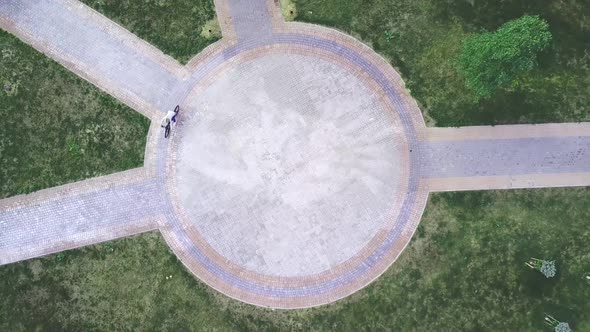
(492,60)
(563,327)
(548,269)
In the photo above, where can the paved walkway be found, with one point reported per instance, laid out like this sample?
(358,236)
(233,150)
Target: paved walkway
(519,156)
(250,19)
(85,218)
(301,166)
(94,48)
(504,157)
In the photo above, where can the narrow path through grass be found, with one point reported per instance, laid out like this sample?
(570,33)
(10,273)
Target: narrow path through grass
(57,127)
(180,28)
(464,271)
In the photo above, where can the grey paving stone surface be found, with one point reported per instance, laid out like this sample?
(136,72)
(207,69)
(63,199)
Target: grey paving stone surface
(290,166)
(505,157)
(62,223)
(250,18)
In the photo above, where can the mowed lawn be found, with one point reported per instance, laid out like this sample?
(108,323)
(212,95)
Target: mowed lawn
(422,39)
(180,28)
(463,271)
(56,127)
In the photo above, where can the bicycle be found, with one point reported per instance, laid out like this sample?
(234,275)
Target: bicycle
(169,121)
(167,130)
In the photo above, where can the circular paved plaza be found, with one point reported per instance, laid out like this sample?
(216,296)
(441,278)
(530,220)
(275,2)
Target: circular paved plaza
(293,178)
(290,166)
(290,175)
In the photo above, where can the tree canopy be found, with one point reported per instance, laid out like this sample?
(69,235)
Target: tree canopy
(491,60)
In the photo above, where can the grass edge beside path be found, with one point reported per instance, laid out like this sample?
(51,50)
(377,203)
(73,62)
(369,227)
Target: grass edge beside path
(179,28)
(57,127)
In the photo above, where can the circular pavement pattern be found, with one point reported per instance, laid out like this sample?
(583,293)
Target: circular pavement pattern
(291,166)
(290,174)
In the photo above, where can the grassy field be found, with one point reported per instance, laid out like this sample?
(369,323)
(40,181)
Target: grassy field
(180,28)
(58,128)
(464,270)
(422,39)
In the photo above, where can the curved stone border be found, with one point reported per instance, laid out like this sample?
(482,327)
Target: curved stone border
(273,280)
(306,296)
(335,283)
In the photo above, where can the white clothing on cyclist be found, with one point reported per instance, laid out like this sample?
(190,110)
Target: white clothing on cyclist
(168,118)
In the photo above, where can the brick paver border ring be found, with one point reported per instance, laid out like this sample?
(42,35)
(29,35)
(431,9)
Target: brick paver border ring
(349,276)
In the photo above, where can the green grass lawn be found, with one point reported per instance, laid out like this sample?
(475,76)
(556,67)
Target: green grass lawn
(174,26)
(464,271)
(57,127)
(422,39)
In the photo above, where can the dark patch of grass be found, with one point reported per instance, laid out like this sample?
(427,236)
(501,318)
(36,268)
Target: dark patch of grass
(422,39)
(57,127)
(173,26)
(463,271)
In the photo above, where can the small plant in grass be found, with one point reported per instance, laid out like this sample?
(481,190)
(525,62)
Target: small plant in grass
(10,88)
(109,247)
(211,30)
(74,148)
(60,257)
(557,325)
(546,267)
(289,10)
(388,36)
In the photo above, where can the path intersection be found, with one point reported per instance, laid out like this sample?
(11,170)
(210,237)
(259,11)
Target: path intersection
(299,169)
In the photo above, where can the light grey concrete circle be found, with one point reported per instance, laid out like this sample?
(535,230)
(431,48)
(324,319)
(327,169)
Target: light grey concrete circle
(289,165)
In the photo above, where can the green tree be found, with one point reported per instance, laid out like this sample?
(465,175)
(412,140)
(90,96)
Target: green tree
(492,60)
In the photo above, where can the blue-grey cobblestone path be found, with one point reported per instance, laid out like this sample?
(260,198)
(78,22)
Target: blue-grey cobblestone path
(250,18)
(91,217)
(80,38)
(548,155)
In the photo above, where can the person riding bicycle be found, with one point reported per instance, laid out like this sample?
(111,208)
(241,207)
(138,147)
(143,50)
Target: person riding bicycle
(170,118)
